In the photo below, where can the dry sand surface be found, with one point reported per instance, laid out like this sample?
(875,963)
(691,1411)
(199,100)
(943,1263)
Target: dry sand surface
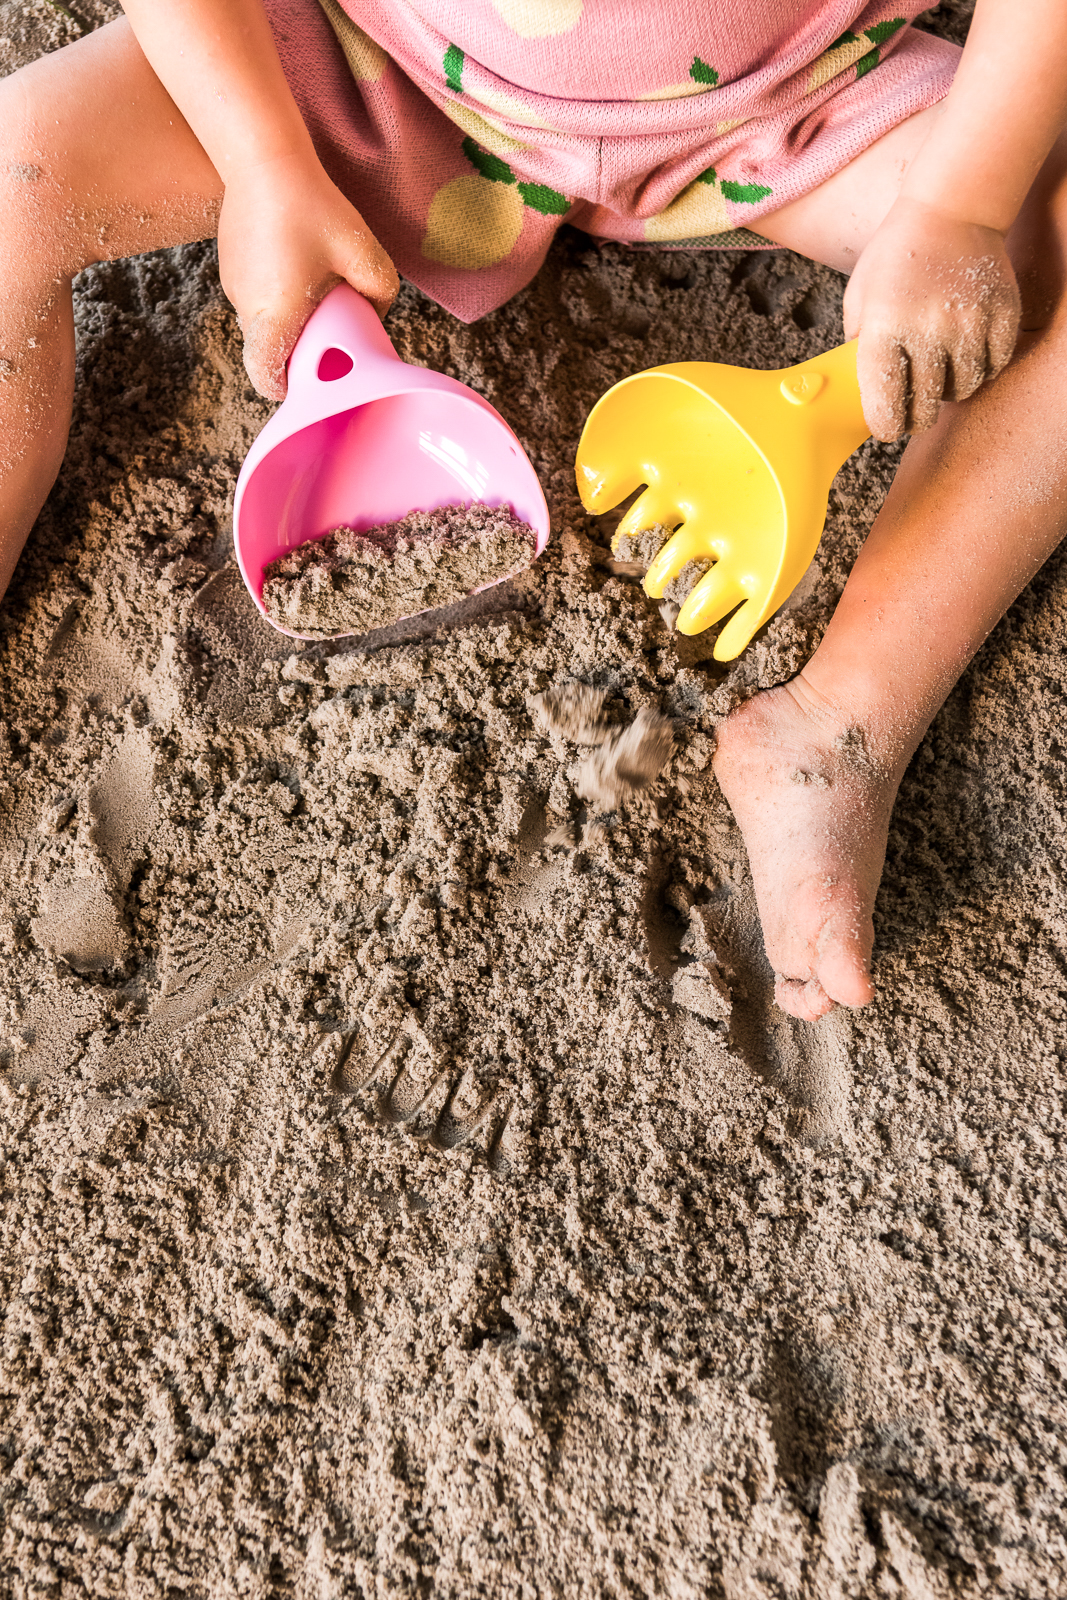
(409,1187)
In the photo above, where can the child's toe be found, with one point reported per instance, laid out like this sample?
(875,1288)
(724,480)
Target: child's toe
(803,998)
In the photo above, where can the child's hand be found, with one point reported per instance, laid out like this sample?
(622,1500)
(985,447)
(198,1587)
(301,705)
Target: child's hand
(287,235)
(936,307)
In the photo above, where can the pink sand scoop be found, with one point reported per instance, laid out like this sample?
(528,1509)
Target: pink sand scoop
(362,438)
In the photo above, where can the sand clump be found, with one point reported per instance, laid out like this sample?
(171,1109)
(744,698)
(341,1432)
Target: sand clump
(397,1202)
(635,553)
(351,583)
(575,711)
(628,759)
(702,985)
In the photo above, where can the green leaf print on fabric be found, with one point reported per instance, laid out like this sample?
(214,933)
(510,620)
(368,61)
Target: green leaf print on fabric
(700,210)
(539,197)
(700,72)
(878,36)
(883,30)
(748,194)
(489,166)
(853,50)
(453,65)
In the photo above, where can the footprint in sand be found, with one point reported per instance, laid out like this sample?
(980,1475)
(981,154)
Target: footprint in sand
(81,925)
(199,977)
(81,920)
(416,1094)
(123,807)
(809,1063)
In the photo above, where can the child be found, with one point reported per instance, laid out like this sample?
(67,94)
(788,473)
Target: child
(466,130)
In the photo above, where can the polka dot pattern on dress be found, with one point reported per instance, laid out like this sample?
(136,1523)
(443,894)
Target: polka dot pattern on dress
(465,131)
(539,19)
(367,60)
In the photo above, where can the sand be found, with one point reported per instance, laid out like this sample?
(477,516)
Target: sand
(635,553)
(353,582)
(409,1186)
(628,759)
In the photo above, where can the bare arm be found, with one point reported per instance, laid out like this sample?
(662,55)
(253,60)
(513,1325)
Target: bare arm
(1003,114)
(933,296)
(286,233)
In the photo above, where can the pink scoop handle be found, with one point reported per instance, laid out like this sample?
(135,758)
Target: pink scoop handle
(344,322)
(363,438)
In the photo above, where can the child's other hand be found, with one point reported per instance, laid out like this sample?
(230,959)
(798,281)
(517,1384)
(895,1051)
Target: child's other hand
(287,235)
(936,307)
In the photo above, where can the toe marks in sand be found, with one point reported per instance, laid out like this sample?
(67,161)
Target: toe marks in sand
(409,1092)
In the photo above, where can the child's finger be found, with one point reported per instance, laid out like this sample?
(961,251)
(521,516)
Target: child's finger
(363,263)
(967,367)
(1003,333)
(375,278)
(882,365)
(271,333)
(269,337)
(851,309)
(926,389)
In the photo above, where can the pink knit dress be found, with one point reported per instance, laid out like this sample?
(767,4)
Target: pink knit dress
(466,131)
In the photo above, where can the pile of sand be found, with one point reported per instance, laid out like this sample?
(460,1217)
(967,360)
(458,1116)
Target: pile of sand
(353,582)
(409,1186)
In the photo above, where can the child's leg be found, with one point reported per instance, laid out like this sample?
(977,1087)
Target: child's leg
(811,769)
(96,162)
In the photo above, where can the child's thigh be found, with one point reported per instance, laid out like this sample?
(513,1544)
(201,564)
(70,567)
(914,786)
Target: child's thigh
(96,160)
(833,223)
(1038,242)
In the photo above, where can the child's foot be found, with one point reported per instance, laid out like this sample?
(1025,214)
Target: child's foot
(813,804)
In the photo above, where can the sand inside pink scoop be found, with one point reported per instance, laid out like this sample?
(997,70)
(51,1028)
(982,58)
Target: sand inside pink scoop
(353,582)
